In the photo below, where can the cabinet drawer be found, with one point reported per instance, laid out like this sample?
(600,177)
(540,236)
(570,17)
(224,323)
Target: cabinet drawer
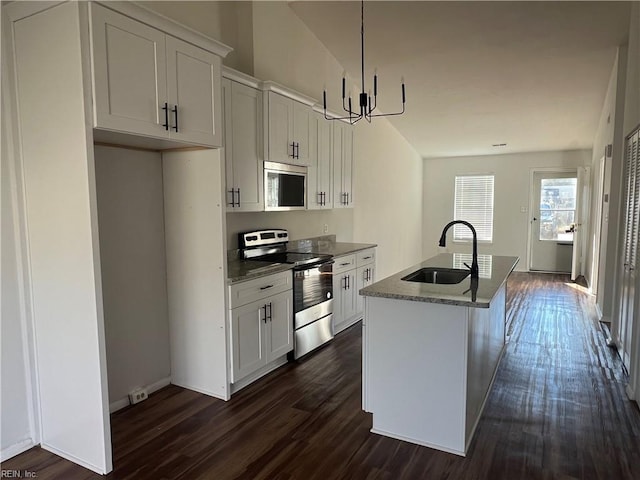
(342,264)
(259,288)
(365,257)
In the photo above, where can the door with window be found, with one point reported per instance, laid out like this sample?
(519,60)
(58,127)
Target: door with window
(553,223)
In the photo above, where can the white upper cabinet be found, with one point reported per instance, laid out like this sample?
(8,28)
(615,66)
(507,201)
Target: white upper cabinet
(243,132)
(342,165)
(129,68)
(320,172)
(288,121)
(193,89)
(152,84)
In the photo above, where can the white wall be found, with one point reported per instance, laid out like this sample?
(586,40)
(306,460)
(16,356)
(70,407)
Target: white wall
(511,192)
(300,224)
(134,273)
(388,193)
(609,132)
(228,22)
(16,430)
(632,98)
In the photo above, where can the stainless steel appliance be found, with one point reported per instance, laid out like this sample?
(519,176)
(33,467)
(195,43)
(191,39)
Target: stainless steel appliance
(284,186)
(312,285)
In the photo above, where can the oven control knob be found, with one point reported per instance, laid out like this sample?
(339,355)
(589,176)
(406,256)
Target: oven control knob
(328,294)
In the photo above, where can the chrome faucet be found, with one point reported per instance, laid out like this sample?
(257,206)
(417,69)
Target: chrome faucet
(474,263)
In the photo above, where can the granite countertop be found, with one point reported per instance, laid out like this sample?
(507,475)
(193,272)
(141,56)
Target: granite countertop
(240,270)
(336,249)
(494,271)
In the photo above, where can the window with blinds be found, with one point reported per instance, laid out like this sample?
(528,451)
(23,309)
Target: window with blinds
(474,204)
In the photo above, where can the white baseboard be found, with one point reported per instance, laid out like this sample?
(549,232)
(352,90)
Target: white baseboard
(153,387)
(16,449)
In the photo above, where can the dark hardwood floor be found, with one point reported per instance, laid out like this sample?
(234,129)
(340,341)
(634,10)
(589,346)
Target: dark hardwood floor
(557,410)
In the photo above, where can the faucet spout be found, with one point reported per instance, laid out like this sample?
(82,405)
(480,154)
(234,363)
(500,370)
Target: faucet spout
(443,243)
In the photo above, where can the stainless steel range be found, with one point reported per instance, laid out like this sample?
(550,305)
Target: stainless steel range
(312,285)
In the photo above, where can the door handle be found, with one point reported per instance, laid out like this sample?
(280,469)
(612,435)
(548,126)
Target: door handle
(264,317)
(175,112)
(166,116)
(535,219)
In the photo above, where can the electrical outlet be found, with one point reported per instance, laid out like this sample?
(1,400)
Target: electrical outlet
(138,395)
(325,229)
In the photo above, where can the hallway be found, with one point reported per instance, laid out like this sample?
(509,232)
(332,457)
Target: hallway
(557,410)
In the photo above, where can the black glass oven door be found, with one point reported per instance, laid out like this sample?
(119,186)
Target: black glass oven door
(312,286)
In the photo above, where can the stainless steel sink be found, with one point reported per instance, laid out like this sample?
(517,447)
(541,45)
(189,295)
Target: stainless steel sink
(437,275)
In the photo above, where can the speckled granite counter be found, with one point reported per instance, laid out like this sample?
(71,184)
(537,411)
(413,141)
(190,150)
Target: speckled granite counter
(240,270)
(327,246)
(494,271)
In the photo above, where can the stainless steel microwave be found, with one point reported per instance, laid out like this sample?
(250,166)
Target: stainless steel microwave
(285,186)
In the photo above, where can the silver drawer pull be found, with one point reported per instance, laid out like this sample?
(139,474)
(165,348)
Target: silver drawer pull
(345,264)
(265,287)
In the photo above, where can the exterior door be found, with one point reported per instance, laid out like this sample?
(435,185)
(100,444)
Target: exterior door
(582,204)
(554,221)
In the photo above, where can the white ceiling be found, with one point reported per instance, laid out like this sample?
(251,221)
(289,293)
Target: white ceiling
(532,75)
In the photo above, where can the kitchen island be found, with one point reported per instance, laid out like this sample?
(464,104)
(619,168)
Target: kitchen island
(431,351)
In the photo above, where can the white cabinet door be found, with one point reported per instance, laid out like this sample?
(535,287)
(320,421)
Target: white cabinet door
(345,300)
(350,298)
(193,86)
(319,175)
(247,339)
(279,326)
(300,132)
(342,165)
(338,295)
(280,122)
(365,276)
(243,147)
(129,74)
(289,123)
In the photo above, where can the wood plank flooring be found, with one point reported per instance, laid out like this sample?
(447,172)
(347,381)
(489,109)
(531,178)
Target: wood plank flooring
(557,411)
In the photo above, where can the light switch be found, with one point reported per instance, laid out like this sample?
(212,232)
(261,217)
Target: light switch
(523,209)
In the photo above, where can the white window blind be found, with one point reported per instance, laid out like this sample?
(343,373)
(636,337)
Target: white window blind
(474,204)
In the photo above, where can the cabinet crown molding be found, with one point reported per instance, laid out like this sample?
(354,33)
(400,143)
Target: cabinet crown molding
(269,86)
(169,26)
(240,77)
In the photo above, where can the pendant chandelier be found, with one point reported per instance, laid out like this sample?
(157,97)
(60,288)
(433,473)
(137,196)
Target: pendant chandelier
(367,103)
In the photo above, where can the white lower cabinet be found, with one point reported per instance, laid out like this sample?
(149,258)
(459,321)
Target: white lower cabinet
(261,331)
(350,274)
